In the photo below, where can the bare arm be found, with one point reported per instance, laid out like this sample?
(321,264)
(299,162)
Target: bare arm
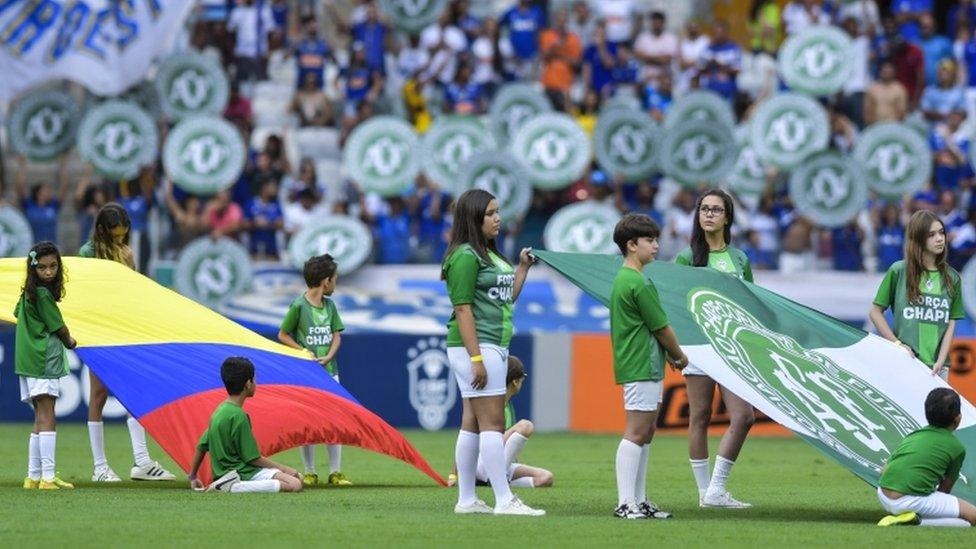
(944,348)
(946,485)
(333,349)
(876,314)
(65,336)
(195,483)
(522,271)
(667,338)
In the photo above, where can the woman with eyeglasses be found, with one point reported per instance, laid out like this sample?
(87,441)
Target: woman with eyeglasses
(711,237)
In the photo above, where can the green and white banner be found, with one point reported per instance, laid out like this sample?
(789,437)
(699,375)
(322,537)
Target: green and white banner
(448,144)
(204,154)
(789,127)
(701,105)
(382,155)
(212,272)
(554,149)
(16,236)
(585,227)
(503,175)
(412,16)
(118,139)
(42,124)
(620,100)
(190,84)
(829,189)
(817,60)
(852,395)
(896,159)
(347,239)
(698,152)
(626,143)
(512,106)
(749,172)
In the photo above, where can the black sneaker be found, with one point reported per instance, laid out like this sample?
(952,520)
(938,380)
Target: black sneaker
(650,510)
(626,511)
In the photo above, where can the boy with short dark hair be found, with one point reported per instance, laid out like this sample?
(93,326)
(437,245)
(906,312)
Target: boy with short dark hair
(237,464)
(312,323)
(641,340)
(915,483)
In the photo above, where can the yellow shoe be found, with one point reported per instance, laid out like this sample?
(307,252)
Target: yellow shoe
(310,479)
(30,484)
(905,519)
(338,479)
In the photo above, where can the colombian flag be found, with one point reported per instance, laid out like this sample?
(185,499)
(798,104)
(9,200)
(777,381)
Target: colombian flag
(160,353)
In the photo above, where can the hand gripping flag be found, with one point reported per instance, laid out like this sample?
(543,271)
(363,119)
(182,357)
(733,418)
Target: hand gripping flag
(851,394)
(160,354)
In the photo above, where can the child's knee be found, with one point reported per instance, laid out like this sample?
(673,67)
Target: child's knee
(744,420)
(525,428)
(544,479)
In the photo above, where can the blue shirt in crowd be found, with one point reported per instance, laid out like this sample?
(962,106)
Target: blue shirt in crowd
(600,74)
(910,29)
(935,49)
(847,249)
(891,244)
(729,55)
(43,219)
(311,56)
(523,29)
(393,238)
(943,100)
(372,36)
(138,210)
(463,98)
(265,239)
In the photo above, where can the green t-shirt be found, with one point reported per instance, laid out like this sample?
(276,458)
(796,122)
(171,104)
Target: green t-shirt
(488,288)
(38,351)
(509,415)
(230,442)
(922,460)
(635,314)
(729,260)
(313,327)
(87,250)
(921,325)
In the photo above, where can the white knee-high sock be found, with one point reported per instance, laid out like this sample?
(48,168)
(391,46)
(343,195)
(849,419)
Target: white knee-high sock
(96,436)
(492,450)
(513,447)
(721,474)
(466,457)
(47,442)
(628,462)
(256,486)
(308,458)
(640,487)
(522,482)
(699,468)
(34,457)
(946,522)
(335,457)
(140,452)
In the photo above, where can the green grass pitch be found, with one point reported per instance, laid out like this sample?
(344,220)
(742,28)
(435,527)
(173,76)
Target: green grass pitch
(801,499)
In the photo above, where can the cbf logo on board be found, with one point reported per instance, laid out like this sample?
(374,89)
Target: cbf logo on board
(432,389)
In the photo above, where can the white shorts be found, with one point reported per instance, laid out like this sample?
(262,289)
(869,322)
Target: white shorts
(495,361)
(692,370)
(934,505)
(31,387)
(643,396)
(265,473)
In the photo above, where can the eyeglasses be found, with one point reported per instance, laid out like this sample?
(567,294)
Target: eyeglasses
(712,210)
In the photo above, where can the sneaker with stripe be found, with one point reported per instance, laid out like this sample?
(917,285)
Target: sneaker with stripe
(152,471)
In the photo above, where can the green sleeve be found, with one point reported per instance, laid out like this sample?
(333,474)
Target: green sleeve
(87,250)
(746,267)
(956,310)
(886,291)
(290,322)
(246,441)
(649,305)
(683,257)
(204,444)
(956,465)
(337,325)
(48,310)
(462,276)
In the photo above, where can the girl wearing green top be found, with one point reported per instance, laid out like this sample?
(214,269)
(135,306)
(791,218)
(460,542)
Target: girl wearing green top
(110,240)
(40,360)
(924,295)
(710,237)
(482,286)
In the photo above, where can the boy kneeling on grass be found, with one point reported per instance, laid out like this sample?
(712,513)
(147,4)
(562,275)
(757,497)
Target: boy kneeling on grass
(237,463)
(915,484)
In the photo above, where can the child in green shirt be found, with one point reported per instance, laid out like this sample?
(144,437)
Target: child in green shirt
(641,339)
(916,482)
(312,323)
(237,464)
(40,359)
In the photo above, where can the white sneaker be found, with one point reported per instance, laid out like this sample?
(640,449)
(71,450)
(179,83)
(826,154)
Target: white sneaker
(630,512)
(477,506)
(516,507)
(224,483)
(105,474)
(723,499)
(153,471)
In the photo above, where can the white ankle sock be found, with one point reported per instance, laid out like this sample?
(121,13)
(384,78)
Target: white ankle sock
(720,474)
(466,457)
(335,457)
(522,482)
(308,458)
(628,463)
(34,457)
(140,452)
(699,468)
(96,436)
(492,450)
(640,487)
(47,442)
(513,447)
(946,522)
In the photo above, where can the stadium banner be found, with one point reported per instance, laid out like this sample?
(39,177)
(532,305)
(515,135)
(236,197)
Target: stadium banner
(105,45)
(852,395)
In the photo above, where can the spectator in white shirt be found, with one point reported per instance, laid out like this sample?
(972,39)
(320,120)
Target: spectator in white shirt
(803,14)
(656,48)
(445,43)
(620,20)
(251,27)
(864,12)
(582,23)
(859,80)
(691,48)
